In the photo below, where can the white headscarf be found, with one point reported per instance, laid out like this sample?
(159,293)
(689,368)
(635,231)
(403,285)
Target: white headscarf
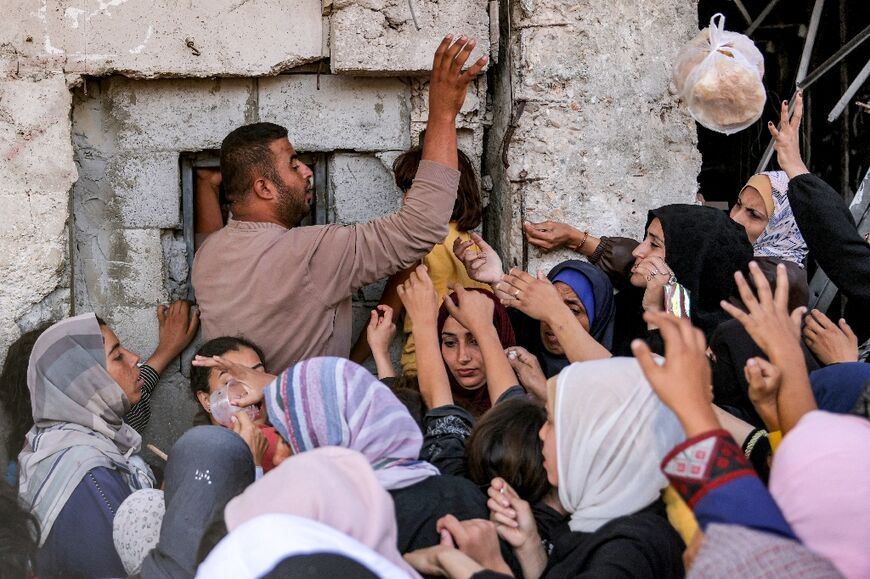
(781,238)
(612,433)
(258,545)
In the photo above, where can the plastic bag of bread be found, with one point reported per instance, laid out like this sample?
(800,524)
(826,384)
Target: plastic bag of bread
(718,75)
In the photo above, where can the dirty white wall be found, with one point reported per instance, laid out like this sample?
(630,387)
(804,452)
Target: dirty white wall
(98,98)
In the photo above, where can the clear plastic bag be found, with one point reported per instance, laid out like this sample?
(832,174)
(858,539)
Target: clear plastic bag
(718,74)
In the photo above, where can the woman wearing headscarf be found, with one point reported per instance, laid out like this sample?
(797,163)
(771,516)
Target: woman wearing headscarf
(462,356)
(79,462)
(207,466)
(821,480)
(334,402)
(333,486)
(605,434)
(588,293)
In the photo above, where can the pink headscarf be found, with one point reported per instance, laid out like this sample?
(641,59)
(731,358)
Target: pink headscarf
(821,480)
(332,485)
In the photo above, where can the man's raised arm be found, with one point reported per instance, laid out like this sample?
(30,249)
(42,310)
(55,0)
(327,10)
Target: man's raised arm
(367,252)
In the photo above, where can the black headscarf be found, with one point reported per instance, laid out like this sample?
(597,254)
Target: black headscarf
(208,466)
(704,247)
(602,316)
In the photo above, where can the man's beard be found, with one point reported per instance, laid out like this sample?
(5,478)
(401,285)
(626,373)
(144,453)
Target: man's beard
(291,208)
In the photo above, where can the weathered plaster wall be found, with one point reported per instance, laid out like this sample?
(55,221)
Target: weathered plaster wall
(599,140)
(107,94)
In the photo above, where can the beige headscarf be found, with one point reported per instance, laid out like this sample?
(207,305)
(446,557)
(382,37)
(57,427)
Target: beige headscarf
(332,485)
(612,432)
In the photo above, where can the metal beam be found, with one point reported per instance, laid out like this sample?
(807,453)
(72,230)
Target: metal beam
(850,92)
(761,17)
(743,11)
(812,31)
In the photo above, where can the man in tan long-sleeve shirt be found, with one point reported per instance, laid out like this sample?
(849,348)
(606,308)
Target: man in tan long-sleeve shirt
(289,289)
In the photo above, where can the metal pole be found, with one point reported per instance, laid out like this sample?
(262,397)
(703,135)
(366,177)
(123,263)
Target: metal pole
(850,92)
(811,40)
(835,58)
(761,17)
(743,11)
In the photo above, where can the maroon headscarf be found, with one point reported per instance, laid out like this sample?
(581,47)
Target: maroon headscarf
(477,401)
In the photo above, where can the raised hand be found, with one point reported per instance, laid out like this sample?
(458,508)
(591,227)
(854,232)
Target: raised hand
(831,343)
(516,524)
(178,324)
(483,265)
(550,235)
(786,139)
(536,297)
(418,297)
(528,370)
(683,381)
(379,334)
(767,321)
(254,381)
(474,312)
(449,84)
(764,380)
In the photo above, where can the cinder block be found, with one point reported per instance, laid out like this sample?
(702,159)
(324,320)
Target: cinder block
(381,37)
(361,188)
(178,115)
(147,190)
(134,272)
(362,114)
(197,38)
(136,327)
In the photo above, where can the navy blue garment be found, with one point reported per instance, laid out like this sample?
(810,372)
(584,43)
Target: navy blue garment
(837,387)
(601,312)
(80,543)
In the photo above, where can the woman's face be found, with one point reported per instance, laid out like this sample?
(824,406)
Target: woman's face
(217,377)
(547,434)
(462,355)
(750,212)
(653,246)
(122,365)
(548,338)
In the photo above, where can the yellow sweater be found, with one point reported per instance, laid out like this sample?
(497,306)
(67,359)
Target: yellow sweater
(445,269)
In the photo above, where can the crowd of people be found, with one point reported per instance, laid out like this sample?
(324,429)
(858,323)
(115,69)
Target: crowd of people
(657,408)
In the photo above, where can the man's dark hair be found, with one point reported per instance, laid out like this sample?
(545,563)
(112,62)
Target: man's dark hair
(468,208)
(14,393)
(19,536)
(246,156)
(218,347)
(505,443)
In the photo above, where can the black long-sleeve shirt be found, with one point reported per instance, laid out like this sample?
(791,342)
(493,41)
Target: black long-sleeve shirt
(834,242)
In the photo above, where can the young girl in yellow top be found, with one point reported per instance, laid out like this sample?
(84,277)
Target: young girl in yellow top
(444,267)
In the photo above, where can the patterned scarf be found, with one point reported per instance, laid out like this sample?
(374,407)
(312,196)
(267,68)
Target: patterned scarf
(781,238)
(78,412)
(334,402)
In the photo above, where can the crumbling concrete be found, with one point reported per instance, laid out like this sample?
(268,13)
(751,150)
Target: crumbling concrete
(163,37)
(599,140)
(382,37)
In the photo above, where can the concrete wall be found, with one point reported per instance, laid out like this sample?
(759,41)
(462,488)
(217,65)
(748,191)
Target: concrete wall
(597,140)
(99,98)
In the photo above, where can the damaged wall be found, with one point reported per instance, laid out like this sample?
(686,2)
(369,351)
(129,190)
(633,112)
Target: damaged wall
(597,139)
(108,94)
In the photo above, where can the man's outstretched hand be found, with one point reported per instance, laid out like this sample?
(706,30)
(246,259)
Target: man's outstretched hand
(447,88)
(449,84)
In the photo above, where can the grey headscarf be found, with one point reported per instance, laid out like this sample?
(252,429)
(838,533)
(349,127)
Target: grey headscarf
(208,466)
(78,412)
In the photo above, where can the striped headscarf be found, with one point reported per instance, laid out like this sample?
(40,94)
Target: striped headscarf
(78,412)
(334,402)
(781,238)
